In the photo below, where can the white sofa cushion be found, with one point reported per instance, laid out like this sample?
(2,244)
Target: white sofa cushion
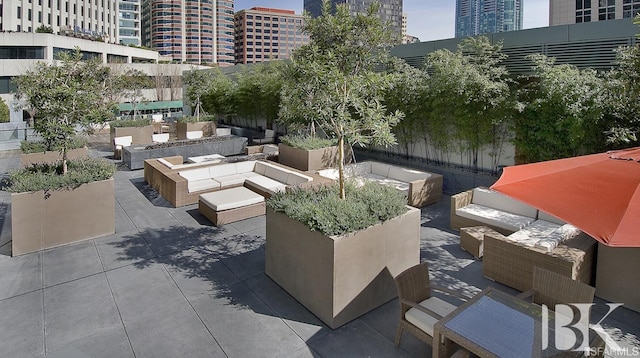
(381,169)
(494,217)
(221,170)
(223,131)
(534,232)
(231,180)
(231,198)
(166,163)
(297,178)
(195,174)
(204,184)
(493,199)
(329,173)
(278,174)
(358,169)
(400,185)
(194,134)
(245,166)
(160,138)
(267,184)
(425,321)
(406,175)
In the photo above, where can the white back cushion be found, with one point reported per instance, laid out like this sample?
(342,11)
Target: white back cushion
(496,200)
(358,169)
(195,174)
(406,174)
(222,170)
(269,148)
(223,131)
(380,168)
(245,167)
(194,134)
(123,141)
(277,174)
(160,138)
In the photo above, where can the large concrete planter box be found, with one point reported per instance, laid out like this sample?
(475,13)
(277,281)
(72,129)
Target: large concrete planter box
(208,129)
(134,156)
(307,160)
(52,157)
(139,134)
(617,271)
(40,220)
(339,278)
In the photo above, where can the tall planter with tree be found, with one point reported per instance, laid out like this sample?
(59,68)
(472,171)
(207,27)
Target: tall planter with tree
(340,275)
(48,201)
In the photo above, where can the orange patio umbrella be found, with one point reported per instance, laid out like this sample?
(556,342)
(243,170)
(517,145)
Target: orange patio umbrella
(598,193)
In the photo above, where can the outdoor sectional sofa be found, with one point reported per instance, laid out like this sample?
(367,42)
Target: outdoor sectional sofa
(422,188)
(181,184)
(525,237)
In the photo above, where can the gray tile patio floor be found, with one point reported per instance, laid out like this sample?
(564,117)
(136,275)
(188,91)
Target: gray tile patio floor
(169,284)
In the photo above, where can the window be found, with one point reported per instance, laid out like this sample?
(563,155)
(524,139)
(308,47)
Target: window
(19,13)
(28,14)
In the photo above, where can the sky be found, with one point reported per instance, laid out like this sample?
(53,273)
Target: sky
(427,19)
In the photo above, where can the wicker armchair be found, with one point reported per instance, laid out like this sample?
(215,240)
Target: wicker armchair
(419,310)
(550,288)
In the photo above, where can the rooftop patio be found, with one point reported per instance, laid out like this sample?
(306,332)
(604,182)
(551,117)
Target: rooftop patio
(170,284)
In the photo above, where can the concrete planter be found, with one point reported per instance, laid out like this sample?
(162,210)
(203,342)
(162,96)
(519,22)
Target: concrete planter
(208,129)
(139,134)
(40,220)
(52,156)
(307,160)
(339,278)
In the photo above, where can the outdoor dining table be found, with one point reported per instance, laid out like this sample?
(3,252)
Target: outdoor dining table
(496,324)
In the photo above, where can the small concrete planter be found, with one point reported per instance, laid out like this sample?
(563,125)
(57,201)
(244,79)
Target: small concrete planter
(307,160)
(40,220)
(208,129)
(139,134)
(52,157)
(339,278)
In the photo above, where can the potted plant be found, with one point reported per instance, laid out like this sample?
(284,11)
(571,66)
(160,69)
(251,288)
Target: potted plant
(205,123)
(307,152)
(336,249)
(140,129)
(53,204)
(338,257)
(43,152)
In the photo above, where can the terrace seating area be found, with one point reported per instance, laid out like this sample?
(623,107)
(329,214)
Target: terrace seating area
(169,283)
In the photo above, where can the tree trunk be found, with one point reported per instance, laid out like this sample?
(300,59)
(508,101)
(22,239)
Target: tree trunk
(64,161)
(341,167)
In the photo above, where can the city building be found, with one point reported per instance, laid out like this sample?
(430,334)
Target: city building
(264,34)
(190,31)
(563,12)
(476,17)
(406,38)
(390,10)
(129,22)
(81,18)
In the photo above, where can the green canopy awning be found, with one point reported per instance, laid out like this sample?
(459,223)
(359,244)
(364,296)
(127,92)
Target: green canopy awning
(151,106)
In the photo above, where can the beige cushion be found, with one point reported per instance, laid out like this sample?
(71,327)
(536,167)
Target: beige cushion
(231,198)
(194,134)
(160,138)
(406,174)
(221,170)
(399,185)
(267,184)
(358,169)
(534,232)
(204,184)
(277,174)
(246,166)
(223,131)
(270,149)
(124,141)
(329,173)
(380,168)
(424,321)
(498,201)
(502,219)
(195,174)
(296,178)
(260,167)
(231,180)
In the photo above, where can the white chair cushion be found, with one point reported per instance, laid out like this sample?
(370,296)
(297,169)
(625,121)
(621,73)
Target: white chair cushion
(221,170)
(250,174)
(195,174)
(231,180)
(496,200)
(204,184)
(267,184)
(231,198)
(424,321)
(491,216)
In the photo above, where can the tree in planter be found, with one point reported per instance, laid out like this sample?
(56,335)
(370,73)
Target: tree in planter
(63,95)
(130,85)
(332,80)
(4,112)
(196,85)
(217,97)
(257,92)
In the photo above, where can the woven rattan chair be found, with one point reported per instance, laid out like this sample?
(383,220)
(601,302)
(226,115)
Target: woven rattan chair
(419,310)
(550,288)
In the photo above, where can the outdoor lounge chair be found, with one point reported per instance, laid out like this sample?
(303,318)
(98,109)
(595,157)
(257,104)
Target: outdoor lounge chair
(419,310)
(550,288)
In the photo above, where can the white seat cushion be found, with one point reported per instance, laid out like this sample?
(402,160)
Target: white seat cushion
(491,216)
(534,232)
(424,321)
(231,180)
(399,185)
(231,198)
(204,184)
(267,184)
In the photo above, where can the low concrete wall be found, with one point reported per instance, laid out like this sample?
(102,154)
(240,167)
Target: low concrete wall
(134,156)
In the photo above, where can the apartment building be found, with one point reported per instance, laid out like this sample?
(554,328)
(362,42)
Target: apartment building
(264,34)
(477,17)
(563,12)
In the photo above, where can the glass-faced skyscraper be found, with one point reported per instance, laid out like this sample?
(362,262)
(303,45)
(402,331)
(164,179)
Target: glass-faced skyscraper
(476,17)
(390,10)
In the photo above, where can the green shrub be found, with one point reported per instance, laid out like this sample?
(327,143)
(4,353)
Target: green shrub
(130,123)
(307,142)
(40,146)
(207,118)
(324,211)
(4,112)
(48,176)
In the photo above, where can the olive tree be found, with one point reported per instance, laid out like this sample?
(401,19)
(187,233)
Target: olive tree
(332,81)
(64,94)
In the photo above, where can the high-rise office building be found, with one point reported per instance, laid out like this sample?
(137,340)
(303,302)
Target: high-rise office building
(476,17)
(82,18)
(390,10)
(264,34)
(563,12)
(129,22)
(190,31)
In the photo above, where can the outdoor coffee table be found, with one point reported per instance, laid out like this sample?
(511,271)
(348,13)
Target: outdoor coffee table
(472,239)
(205,158)
(496,324)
